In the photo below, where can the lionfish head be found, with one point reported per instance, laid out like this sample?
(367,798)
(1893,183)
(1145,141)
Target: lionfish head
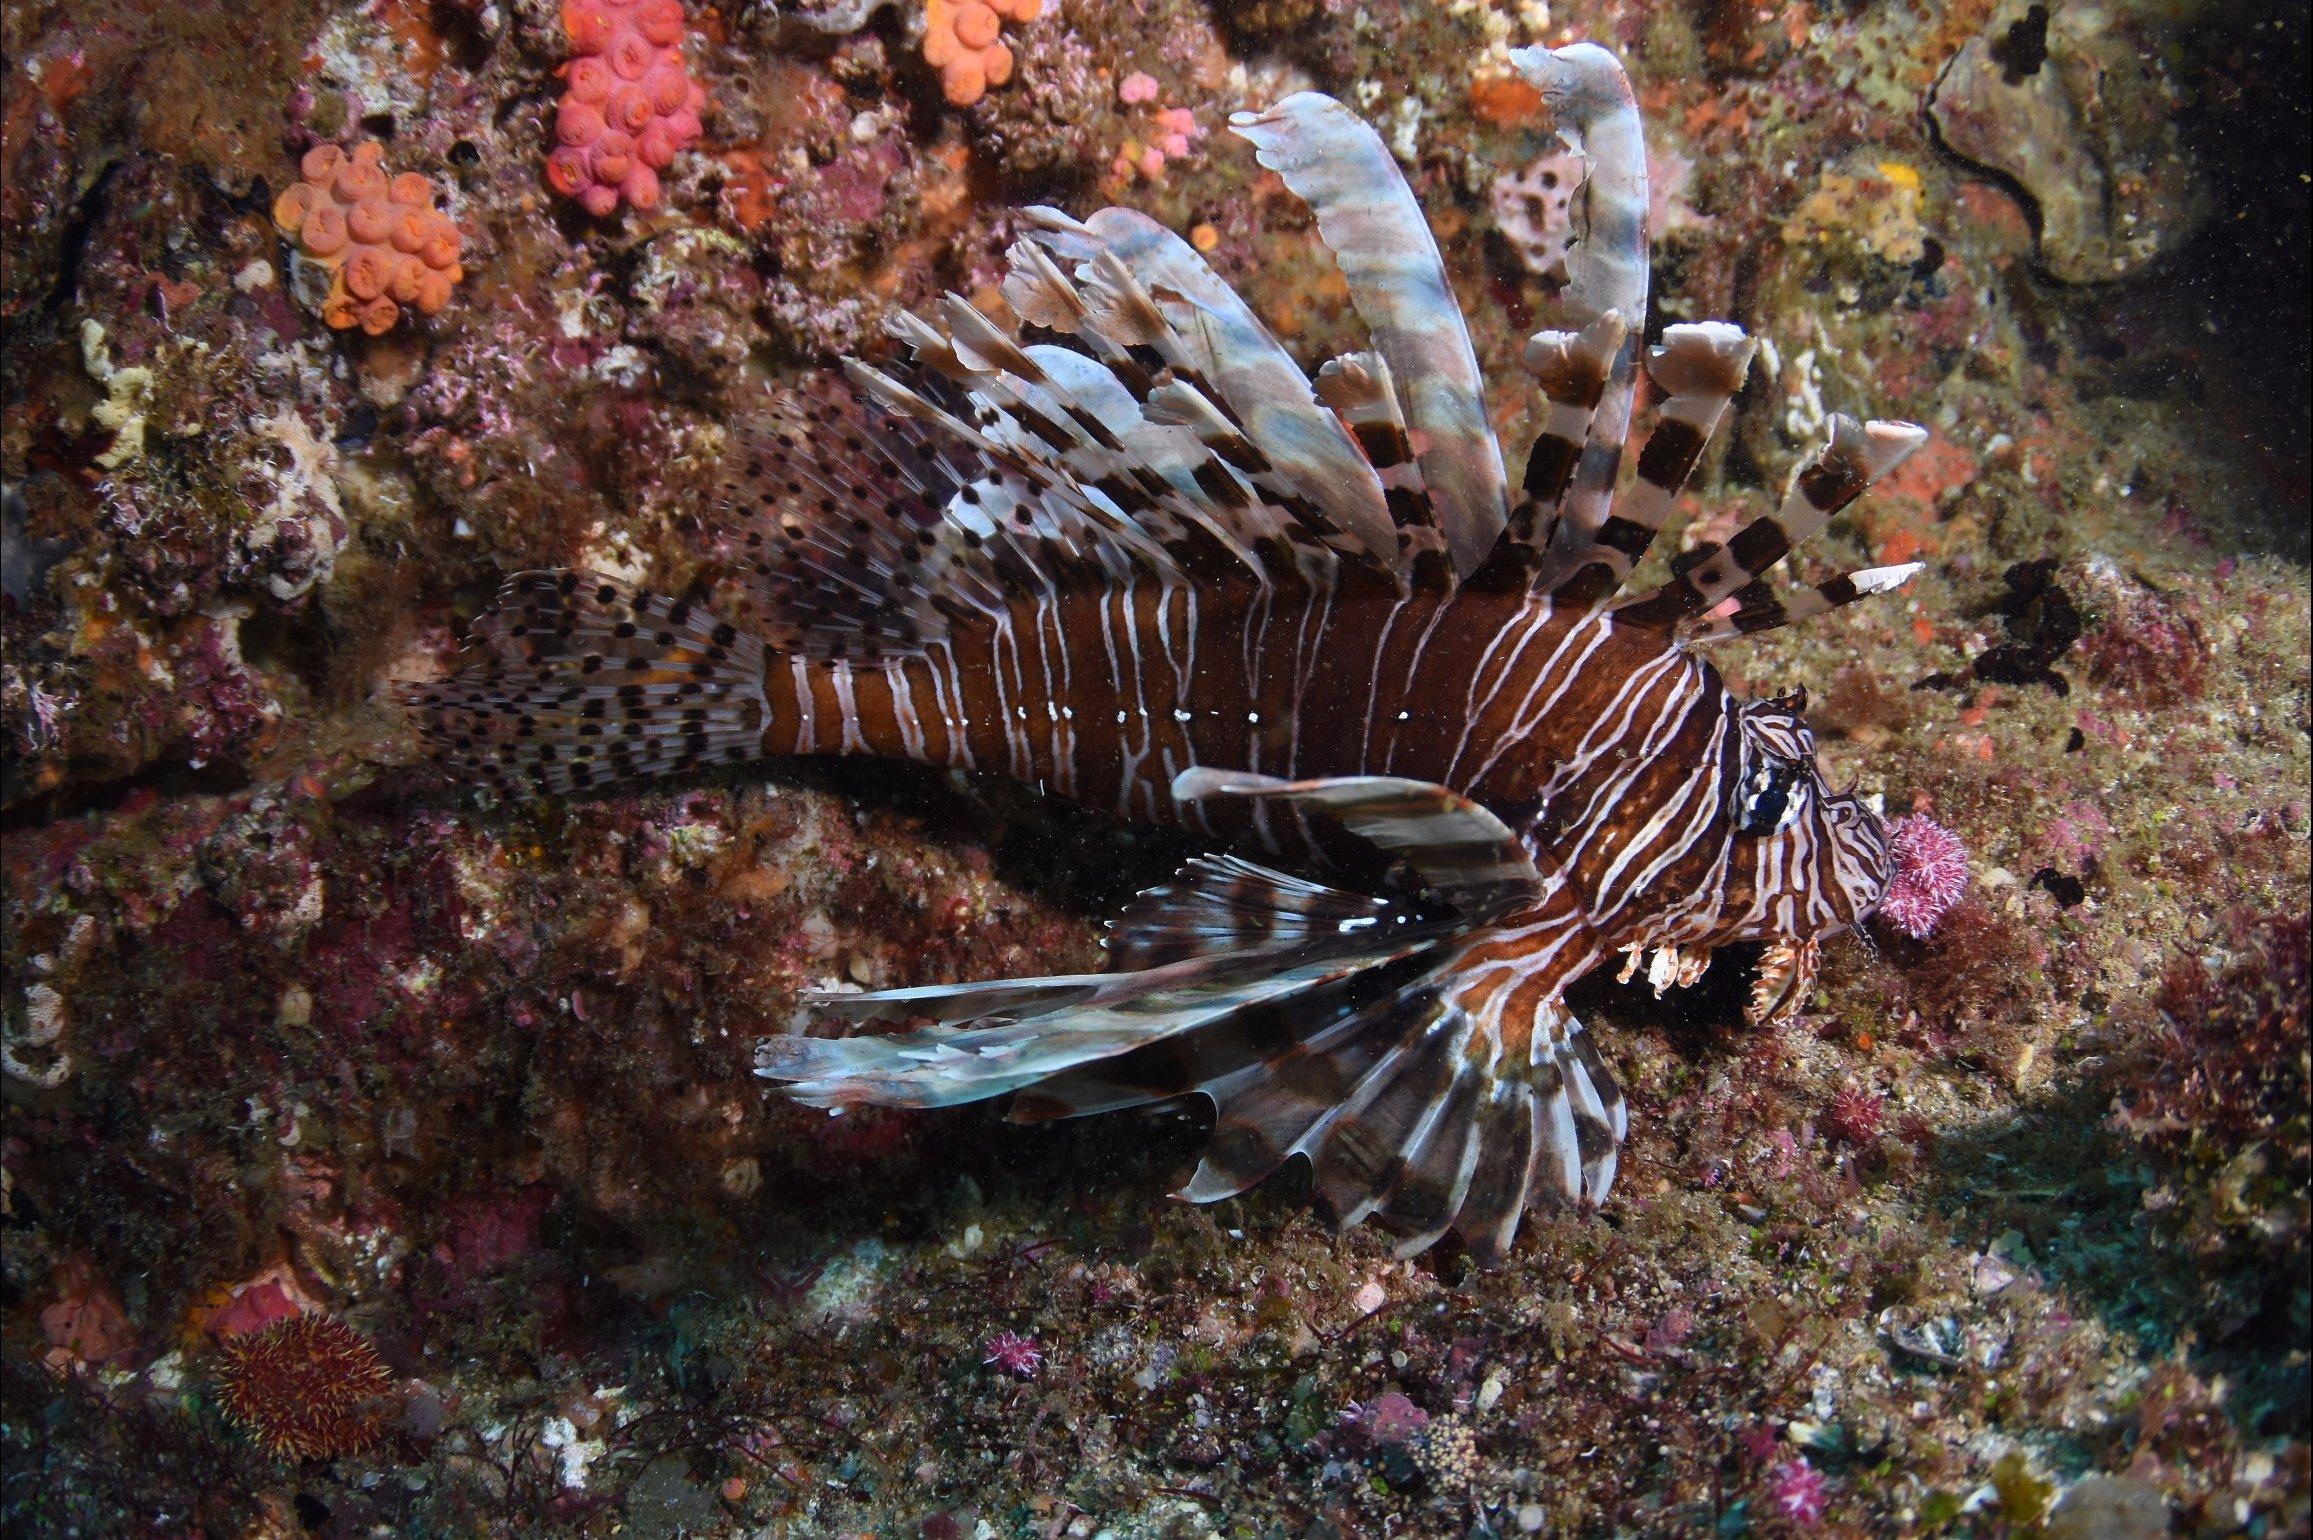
(1818,859)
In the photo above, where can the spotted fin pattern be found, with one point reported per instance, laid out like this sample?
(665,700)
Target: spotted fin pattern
(580,681)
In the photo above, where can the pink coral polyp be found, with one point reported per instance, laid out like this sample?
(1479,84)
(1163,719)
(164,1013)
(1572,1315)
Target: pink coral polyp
(629,106)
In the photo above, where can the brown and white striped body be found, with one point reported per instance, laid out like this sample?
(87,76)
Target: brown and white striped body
(1134,554)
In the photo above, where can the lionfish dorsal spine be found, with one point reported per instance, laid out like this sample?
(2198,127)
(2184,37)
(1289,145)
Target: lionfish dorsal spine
(1333,161)
(1607,270)
(1855,456)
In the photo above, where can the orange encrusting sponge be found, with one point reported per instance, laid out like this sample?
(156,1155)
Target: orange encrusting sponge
(380,237)
(629,105)
(961,41)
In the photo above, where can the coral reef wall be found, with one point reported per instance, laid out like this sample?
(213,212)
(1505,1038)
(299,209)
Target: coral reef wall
(383,1159)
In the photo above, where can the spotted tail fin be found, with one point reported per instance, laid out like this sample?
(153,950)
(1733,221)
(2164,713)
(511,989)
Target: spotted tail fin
(580,681)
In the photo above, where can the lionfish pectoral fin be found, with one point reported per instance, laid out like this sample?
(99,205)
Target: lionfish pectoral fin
(1225,938)
(1459,848)
(1485,1095)
(577,680)
(1786,978)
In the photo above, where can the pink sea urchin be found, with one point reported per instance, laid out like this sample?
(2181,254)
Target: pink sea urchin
(1928,870)
(1795,1489)
(1014,1354)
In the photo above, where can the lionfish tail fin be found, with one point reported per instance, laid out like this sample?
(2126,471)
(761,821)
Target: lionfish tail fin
(577,681)
(1857,455)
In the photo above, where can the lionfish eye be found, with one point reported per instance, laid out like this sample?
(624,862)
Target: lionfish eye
(1764,801)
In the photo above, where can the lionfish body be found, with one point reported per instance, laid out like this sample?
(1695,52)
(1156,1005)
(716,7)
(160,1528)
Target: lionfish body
(1133,554)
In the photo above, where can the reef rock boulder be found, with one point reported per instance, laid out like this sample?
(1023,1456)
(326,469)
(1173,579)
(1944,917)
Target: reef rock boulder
(2071,102)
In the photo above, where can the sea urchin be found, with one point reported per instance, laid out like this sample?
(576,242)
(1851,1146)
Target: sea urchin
(307,1388)
(1929,872)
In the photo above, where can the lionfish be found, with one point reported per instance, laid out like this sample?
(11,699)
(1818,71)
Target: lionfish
(1130,551)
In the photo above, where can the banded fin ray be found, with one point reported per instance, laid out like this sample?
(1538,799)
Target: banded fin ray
(1836,475)
(1333,161)
(991,1038)
(1225,904)
(1573,369)
(1262,385)
(1768,610)
(1458,847)
(1358,387)
(1698,369)
(1588,93)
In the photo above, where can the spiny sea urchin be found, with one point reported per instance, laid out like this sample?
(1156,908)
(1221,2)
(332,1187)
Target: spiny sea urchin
(1929,872)
(307,1388)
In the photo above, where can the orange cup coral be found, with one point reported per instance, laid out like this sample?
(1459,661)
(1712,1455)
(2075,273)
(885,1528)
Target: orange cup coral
(629,105)
(962,42)
(382,240)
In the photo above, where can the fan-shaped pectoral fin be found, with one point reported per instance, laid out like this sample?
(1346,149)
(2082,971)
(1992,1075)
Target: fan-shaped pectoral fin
(1488,1094)
(1552,1100)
